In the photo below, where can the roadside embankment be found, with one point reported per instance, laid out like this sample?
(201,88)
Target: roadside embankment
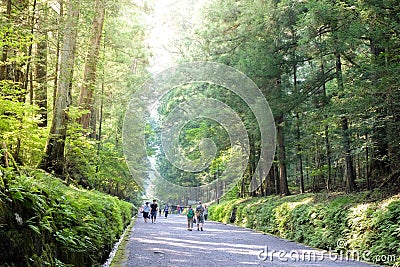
(344,222)
(44,222)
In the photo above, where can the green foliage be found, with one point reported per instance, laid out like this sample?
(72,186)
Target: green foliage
(47,223)
(321,221)
(18,125)
(292,50)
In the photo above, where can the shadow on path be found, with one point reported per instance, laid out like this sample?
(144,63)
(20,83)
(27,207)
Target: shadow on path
(168,243)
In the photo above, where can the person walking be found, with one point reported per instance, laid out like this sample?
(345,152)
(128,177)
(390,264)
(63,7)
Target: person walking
(200,216)
(159,212)
(153,211)
(146,212)
(190,216)
(166,209)
(205,212)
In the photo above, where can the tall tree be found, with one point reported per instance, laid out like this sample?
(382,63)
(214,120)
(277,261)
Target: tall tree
(54,157)
(7,18)
(41,64)
(89,76)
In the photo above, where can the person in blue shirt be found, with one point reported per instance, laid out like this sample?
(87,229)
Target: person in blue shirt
(166,209)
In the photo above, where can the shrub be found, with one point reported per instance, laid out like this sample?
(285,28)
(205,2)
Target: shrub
(44,222)
(322,220)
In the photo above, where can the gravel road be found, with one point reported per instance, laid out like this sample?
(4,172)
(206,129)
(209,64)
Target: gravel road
(168,243)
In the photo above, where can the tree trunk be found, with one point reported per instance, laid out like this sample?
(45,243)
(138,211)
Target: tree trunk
(276,179)
(379,160)
(299,155)
(261,182)
(367,173)
(30,48)
(4,55)
(41,67)
(89,75)
(328,158)
(283,185)
(350,179)
(253,166)
(324,103)
(298,132)
(350,182)
(58,50)
(54,157)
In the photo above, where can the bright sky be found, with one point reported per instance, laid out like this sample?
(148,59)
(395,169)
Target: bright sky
(165,27)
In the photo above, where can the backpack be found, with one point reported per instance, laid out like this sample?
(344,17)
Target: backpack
(190,213)
(199,211)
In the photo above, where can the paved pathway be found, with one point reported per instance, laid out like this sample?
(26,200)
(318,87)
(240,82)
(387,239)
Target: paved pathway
(168,243)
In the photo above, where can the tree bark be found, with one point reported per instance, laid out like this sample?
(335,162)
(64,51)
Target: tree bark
(4,54)
(298,131)
(328,158)
(350,179)
(89,75)
(350,182)
(283,185)
(54,157)
(41,67)
(299,155)
(58,50)
(325,100)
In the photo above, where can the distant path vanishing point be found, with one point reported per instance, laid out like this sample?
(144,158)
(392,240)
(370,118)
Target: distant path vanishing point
(168,243)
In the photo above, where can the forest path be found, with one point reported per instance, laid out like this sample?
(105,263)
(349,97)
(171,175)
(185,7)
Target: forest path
(168,243)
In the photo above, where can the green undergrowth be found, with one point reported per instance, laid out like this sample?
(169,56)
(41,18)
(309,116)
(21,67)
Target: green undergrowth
(44,222)
(342,223)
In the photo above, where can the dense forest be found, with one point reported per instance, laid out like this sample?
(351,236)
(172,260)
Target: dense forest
(329,70)
(67,68)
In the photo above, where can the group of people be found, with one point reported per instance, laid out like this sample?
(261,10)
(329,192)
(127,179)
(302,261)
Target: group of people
(197,216)
(150,212)
(194,216)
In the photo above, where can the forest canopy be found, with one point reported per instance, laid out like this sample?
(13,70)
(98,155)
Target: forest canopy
(66,70)
(329,70)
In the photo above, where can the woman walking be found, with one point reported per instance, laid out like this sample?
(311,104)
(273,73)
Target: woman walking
(146,211)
